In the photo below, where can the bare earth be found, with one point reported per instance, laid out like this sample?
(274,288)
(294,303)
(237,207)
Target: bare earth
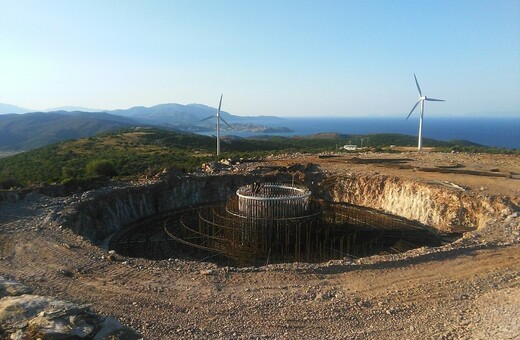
(466,290)
(497,165)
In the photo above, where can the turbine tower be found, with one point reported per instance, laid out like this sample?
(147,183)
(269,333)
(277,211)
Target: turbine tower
(218,124)
(422,99)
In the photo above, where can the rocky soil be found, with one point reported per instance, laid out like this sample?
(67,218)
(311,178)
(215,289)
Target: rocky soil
(467,289)
(27,316)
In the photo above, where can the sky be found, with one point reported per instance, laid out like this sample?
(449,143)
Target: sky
(270,57)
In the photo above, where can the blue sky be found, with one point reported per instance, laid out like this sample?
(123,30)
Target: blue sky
(285,58)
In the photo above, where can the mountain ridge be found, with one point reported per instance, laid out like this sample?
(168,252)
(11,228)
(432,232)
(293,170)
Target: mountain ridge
(174,113)
(8,108)
(36,129)
(23,131)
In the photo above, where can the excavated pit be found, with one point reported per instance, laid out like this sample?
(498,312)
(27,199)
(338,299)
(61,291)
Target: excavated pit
(359,215)
(283,223)
(332,231)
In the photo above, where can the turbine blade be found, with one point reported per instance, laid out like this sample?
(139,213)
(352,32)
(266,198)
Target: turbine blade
(206,118)
(434,100)
(222,119)
(220,104)
(413,108)
(417,83)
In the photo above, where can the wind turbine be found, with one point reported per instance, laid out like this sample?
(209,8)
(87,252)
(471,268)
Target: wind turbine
(421,100)
(218,124)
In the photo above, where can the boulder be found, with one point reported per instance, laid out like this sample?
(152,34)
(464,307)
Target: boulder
(29,316)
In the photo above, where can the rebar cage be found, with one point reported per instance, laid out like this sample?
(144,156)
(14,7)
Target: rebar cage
(272,200)
(228,233)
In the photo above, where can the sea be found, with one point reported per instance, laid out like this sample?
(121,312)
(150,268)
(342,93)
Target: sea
(501,132)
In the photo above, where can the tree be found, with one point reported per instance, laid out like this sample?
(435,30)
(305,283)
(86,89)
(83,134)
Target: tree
(100,168)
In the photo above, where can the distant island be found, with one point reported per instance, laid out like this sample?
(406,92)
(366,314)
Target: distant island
(261,128)
(236,127)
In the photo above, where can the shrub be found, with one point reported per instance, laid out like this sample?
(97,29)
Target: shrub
(100,168)
(68,172)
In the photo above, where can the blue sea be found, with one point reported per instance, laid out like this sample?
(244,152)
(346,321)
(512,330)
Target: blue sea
(490,131)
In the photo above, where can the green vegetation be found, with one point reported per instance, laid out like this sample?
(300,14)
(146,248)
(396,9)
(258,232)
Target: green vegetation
(132,152)
(478,149)
(98,168)
(127,153)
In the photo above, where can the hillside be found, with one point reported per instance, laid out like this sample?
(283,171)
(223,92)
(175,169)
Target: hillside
(132,152)
(139,150)
(32,130)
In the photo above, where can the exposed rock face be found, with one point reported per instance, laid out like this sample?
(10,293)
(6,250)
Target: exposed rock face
(439,207)
(98,214)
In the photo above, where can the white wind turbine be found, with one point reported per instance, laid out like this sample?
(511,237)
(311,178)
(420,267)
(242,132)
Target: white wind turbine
(421,100)
(218,124)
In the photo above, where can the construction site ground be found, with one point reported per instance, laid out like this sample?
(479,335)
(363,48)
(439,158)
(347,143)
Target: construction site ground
(468,290)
